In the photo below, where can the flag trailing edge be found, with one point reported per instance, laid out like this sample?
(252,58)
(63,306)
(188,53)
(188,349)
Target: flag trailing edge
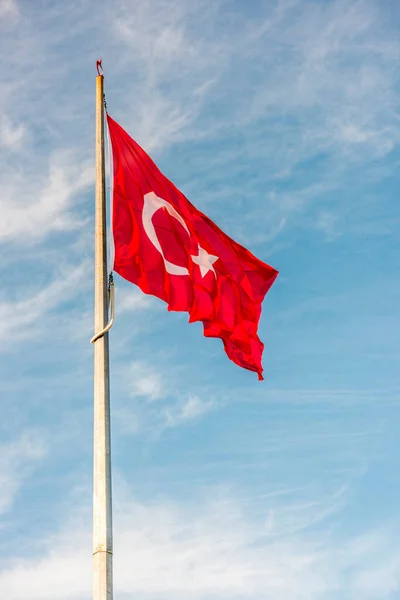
(171,250)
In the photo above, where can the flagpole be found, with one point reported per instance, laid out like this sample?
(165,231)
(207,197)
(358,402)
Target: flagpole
(102,499)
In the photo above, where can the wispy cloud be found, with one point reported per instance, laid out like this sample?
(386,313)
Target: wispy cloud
(312,56)
(304,81)
(275,118)
(23,319)
(33,206)
(214,549)
(9,8)
(152,398)
(17,460)
(146,381)
(130,300)
(176,67)
(307,84)
(11,135)
(188,410)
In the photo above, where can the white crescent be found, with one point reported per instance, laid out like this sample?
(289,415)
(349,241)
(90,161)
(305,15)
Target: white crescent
(152,203)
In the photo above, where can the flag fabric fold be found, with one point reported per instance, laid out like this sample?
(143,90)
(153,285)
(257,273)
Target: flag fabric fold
(168,248)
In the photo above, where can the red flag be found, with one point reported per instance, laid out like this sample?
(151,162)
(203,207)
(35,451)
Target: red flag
(171,250)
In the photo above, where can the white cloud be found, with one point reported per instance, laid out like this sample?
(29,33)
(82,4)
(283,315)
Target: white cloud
(17,459)
(146,381)
(303,81)
(165,550)
(176,67)
(130,299)
(24,318)
(11,136)
(378,582)
(304,61)
(33,205)
(326,222)
(9,8)
(152,399)
(188,410)
(296,81)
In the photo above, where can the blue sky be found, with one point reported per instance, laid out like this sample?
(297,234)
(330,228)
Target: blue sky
(280,120)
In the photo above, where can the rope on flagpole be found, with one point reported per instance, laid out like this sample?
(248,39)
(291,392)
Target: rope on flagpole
(111,304)
(111,293)
(110,188)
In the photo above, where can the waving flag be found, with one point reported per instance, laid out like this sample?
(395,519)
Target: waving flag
(171,250)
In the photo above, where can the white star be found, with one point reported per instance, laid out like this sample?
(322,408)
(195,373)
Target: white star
(205,261)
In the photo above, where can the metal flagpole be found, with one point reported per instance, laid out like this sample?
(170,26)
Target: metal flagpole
(102,504)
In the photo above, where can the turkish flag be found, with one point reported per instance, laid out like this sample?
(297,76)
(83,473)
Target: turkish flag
(171,250)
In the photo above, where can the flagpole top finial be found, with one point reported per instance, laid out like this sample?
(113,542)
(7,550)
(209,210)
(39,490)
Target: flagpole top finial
(99,67)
